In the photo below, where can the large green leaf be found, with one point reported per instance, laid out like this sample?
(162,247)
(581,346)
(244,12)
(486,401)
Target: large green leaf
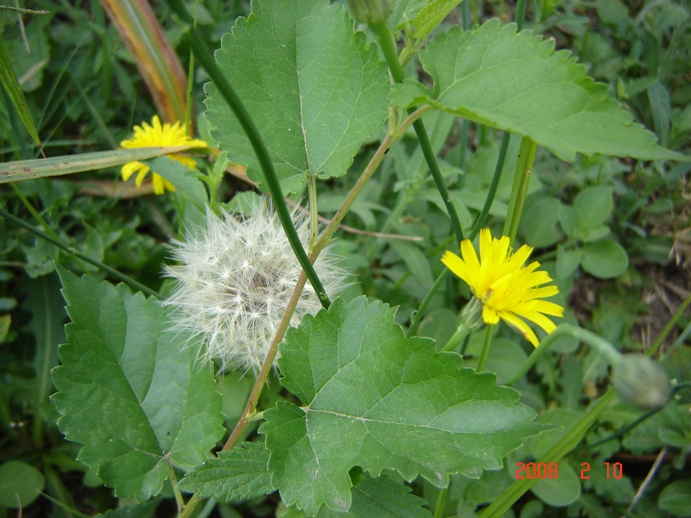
(517,82)
(235,475)
(375,399)
(313,86)
(129,390)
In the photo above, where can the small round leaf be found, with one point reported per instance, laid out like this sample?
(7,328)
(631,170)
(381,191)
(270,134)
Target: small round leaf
(20,484)
(604,259)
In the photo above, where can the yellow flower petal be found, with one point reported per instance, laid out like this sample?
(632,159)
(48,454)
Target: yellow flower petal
(158,134)
(508,289)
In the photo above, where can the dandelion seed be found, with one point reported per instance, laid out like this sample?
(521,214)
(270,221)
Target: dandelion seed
(237,304)
(153,136)
(507,289)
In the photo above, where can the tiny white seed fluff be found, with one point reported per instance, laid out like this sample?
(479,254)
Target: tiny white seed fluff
(234,281)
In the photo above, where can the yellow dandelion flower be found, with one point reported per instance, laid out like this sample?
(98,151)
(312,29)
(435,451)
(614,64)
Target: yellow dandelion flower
(158,135)
(507,289)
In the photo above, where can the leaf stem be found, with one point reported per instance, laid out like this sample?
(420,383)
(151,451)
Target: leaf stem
(71,250)
(386,43)
(417,316)
(204,55)
(174,482)
(524,166)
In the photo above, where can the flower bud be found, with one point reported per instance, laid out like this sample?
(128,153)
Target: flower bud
(471,315)
(641,382)
(370,11)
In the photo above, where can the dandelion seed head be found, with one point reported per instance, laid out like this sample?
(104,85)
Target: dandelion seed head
(234,281)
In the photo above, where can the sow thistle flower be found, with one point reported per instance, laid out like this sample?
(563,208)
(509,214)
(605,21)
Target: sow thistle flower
(507,289)
(234,281)
(153,136)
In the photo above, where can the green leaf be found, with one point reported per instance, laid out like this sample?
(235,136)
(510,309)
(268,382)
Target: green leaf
(604,259)
(415,261)
(676,497)
(431,16)
(567,261)
(314,87)
(185,180)
(30,169)
(384,498)
(15,93)
(374,497)
(539,224)
(236,475)
(504,356)
(560,491)
(145,510)
(593,205)
(129,390)
(660,110)
(378,400)
(20,484)
(517,82)
(47,325)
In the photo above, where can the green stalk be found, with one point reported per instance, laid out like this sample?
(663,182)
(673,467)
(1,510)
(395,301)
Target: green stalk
(386,43)
(457,338)
(46,228)
(417,316)
(505,140)
(597,342)
(204,55)
(314,216)
(568,442)
(441,502)
(669,326)
(485,349)
(526,158)
(112,271)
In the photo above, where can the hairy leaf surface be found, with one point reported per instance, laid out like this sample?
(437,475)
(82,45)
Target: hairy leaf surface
(517,82)
(129,391)
(236,475)
(313,86)
(375,399)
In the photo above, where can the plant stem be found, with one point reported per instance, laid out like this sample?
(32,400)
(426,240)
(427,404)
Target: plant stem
(319,245)
(417,316)
(203,54)
(314,215)
(526,158)
(485,349)
(189,507)
(441,502)
(118,275)
(386,43)
(600,344)
(498,169)
(669,326)
(564,446)
(174,482)
(457,338)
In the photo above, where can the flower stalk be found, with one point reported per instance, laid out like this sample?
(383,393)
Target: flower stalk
(203,54)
